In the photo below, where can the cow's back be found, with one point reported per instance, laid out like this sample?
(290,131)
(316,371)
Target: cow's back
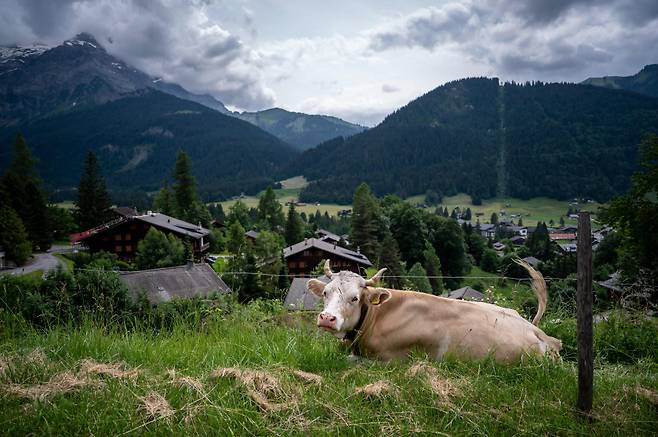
(439,326)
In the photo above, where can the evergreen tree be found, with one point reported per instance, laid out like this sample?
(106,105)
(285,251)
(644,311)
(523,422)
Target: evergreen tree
(520,221)
(539,242)
(13,237)
(270,212)
(389,257)
(93,206)
(235,240)
(365,226)
(185,186)
(432,265)
(561,221)
(22,187)
(294,226)
(489,261)
(494,218)
(239,213)
(445,212)
(447,238)
(418,279)
(158,250)
(165,201)
(468,214)
(61,222)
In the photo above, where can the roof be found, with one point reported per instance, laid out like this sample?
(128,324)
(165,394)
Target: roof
(252,234)
(174,225)
(531,260)
(323,234)
(299,298)
(562,236)
(466,293)
(125,211)
(487,227)
(327,247)
(612,283)
(568,247)
(181,282)
(517,238)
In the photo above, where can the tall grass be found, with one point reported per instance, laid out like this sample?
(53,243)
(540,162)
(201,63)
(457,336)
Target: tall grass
(483,398)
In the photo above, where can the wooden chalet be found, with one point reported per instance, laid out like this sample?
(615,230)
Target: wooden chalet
(304,256)
(122,235)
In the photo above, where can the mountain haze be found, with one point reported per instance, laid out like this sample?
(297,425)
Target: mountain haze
(301,130)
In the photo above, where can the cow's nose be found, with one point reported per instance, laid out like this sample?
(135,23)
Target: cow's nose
(327,317)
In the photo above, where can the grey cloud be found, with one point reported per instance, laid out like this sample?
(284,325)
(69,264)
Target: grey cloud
(388,88)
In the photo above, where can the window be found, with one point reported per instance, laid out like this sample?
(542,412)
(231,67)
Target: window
(307,253)
(117,248)
(117,237)
(302,264)
(129,248)
(292,265)
(127,237)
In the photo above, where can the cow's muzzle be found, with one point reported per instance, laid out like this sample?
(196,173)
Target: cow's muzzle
(327,321)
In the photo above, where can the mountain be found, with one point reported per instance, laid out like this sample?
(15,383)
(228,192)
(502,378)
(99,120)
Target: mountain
(645,82)
(486,139)
(136,138)
(301,130)
(39,80)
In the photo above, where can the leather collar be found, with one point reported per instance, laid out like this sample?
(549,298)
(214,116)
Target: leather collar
(353,334)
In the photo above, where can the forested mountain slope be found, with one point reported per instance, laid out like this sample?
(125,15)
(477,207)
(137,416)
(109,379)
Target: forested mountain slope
(644,82)
(478,137)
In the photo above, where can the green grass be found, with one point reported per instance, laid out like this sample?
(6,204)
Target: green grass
(532,211)
(531,398)
(68,263)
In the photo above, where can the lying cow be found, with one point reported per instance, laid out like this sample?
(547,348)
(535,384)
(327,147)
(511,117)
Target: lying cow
(388,324)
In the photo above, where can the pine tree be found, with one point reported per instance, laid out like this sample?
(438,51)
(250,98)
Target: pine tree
(389,257)
(520,221)
(432,265)
(165,202)
(561,221)
(468,214)
(365,226)
(93,206)
(270,212)
(185,185)
(13,237)
(235,240)
(22,186)
(294,226)
(239,213)
(494,218)
(418,279)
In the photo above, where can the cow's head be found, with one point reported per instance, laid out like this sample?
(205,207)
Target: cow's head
(344,296)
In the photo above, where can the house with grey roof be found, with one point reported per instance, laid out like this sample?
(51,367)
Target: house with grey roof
(304,256)
(534,262)
(122,235)
(170,283)
(300,298)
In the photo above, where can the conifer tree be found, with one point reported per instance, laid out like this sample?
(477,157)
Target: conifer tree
(418,279)
(13,237)
(22,186)
(365,226)
(185,185)
(93,206)
(389,257)
(270,212)
(494,218)
(165,201)
(432,265)
(294,226)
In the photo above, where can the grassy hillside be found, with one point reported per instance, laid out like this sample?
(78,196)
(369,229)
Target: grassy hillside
(238,373)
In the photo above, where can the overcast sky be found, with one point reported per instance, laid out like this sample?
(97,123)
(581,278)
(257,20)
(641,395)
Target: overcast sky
(358,60)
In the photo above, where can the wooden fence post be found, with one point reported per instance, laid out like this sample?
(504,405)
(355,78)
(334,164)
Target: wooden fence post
(584,315)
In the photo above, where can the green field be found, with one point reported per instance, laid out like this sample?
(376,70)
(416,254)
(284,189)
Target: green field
(531,211)
(237,373)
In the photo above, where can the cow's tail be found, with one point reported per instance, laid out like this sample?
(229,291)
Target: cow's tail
(539,286)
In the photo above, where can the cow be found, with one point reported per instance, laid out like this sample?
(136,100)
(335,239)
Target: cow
(389,324)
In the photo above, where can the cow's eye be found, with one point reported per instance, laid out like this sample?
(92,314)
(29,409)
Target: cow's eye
(354,299)
(324,293)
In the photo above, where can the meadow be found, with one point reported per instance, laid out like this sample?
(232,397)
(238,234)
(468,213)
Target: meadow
(257,370)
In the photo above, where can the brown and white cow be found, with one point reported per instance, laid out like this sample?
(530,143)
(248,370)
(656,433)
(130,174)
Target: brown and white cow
(388,324)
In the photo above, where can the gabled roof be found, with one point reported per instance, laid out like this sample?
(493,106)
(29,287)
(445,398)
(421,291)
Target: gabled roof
(487,227)
(300,298)
(181,282)
(466,293)
(125,211)
(323,234)
(327,247)
(531,260)
(252,234)
(174,225)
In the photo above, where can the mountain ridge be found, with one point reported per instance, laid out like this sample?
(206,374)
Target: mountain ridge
(644,82)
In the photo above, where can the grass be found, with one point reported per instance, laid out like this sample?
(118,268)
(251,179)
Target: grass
(447,398)
(68,263)
(531,211)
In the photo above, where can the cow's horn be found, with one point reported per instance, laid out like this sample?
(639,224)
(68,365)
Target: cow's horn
(376,278)
(327,269)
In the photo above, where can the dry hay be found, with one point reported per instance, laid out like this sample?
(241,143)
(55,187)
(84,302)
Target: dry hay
(36,358)
(311,378)
(155,406)
(6,363)
(186,382)
(191,412)
(649,395)
(114,370)
(376,389)
(444,388)
(61,383)
(263,388)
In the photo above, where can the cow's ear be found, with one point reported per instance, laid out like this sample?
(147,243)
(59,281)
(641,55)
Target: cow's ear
(316,287)
(377,296)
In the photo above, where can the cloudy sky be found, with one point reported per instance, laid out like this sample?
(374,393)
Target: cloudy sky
(358,60)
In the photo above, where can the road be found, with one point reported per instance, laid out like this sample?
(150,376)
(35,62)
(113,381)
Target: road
(45,261)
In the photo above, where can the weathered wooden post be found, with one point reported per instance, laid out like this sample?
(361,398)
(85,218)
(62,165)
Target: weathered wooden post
(584,314)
